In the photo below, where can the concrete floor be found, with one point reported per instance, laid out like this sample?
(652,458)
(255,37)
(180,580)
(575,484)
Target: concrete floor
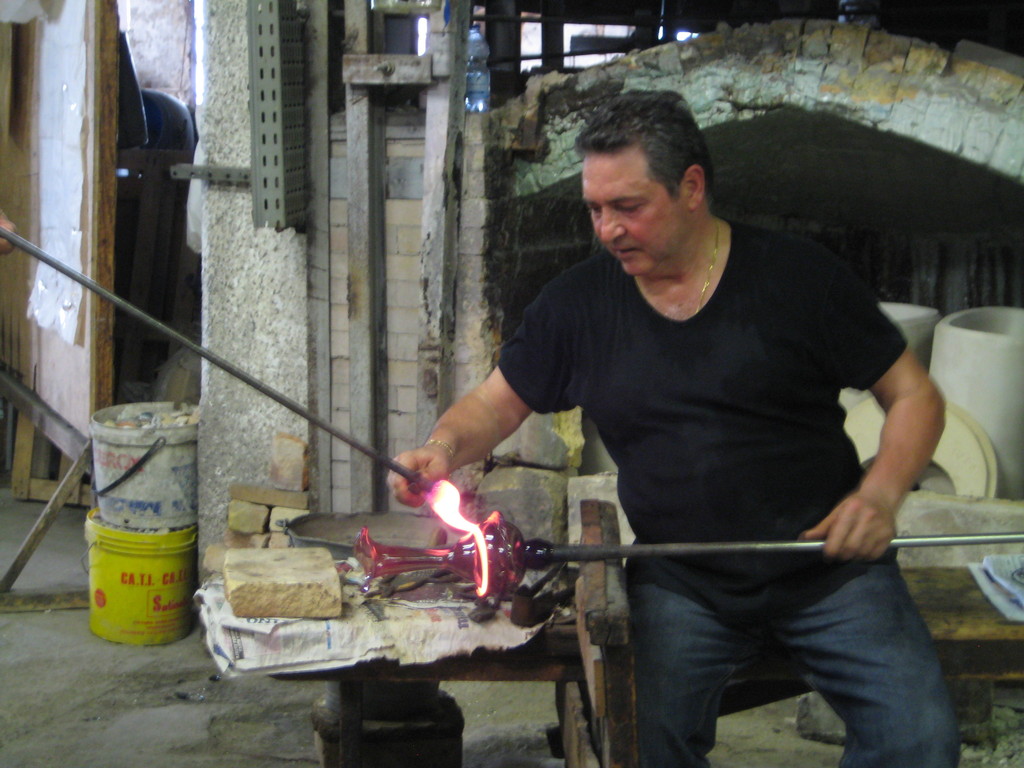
(69,698)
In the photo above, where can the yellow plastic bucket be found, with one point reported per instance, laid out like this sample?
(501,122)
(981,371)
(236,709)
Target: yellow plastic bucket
(140,582)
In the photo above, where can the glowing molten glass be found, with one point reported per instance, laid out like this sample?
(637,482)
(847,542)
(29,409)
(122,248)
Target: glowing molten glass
(445,499)
(502,563)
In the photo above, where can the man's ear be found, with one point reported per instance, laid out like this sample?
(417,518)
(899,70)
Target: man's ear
(693,187)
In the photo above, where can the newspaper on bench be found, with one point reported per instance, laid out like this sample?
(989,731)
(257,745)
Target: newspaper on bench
(404,631)
(1001,578)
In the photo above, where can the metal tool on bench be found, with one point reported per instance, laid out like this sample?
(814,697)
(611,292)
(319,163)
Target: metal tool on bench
(539,553)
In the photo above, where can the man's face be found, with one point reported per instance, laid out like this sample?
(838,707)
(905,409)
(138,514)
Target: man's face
(633,215)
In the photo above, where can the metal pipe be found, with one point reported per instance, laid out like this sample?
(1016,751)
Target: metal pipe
(209,356)
(540,553)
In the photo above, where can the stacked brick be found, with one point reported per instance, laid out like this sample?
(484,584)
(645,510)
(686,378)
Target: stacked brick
(258,515)
(263,575)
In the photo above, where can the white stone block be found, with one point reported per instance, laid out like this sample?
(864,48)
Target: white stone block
(289,583)
(925,514)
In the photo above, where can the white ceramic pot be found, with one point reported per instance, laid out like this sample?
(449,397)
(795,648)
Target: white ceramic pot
(978,362)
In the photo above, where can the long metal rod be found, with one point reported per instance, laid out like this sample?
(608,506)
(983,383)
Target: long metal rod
(583,552)
(206,354)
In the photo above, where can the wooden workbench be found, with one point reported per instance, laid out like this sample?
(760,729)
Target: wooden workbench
(973,639)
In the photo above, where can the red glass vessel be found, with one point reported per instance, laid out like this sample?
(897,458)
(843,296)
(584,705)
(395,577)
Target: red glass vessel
(496,576)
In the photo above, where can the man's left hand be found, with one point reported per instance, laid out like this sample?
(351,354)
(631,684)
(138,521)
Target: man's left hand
(859,528)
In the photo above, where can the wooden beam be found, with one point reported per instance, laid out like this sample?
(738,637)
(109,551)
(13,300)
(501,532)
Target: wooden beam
(21,601)
(364,121)
(386,69)
(68,485)
(446,120)
(318,224)
(55,427)
(103,201)
(350,724)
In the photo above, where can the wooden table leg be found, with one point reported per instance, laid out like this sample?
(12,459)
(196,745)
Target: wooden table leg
(350,740)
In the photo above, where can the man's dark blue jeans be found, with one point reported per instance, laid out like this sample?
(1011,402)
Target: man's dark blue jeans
(865,648)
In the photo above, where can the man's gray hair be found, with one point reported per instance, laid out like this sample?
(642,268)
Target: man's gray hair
(660,123)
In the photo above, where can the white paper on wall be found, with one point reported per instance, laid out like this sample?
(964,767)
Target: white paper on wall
(55,300)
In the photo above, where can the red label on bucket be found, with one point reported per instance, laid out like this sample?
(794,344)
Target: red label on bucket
(100,598)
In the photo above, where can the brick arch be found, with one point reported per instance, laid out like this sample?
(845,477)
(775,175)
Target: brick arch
(903,158)
(886,83)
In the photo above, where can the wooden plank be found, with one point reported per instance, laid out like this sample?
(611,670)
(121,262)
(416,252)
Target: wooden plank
(613,685)
(19,195)
(21,601)
(21,467)
(575,732)
(37,412)
(103,200)
(385,69)
(619,725)
(74,378)
(364,121)
(514,665)
(442,149)
(973,639)
(36,419)
(43,490)
(592,659)
(616,613)
(955,608)
(350,725)
(318,223)
(68,485)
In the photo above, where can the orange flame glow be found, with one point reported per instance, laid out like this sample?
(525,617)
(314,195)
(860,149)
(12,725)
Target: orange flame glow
(445,499)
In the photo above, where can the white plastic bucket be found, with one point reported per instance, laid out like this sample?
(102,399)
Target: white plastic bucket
(978,363)
(163,492)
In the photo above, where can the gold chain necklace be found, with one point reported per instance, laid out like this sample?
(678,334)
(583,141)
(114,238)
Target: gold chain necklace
(711,269)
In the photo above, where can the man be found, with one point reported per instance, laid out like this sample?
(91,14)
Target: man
(710,356)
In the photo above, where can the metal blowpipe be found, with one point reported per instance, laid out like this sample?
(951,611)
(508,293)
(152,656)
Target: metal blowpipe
(540,553)
(212,357)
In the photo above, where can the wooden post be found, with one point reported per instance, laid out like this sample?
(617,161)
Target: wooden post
(364,120)
(103,213)
(318,249)
(446,119)
(68,485)
(350,725)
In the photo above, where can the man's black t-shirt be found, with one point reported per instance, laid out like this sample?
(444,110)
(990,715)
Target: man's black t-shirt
(725,426)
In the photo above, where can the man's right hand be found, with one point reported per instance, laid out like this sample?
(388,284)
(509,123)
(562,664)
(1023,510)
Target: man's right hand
(5,245)
(465,433)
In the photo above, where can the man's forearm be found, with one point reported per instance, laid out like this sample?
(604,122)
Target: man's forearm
(478,422)
(910,434)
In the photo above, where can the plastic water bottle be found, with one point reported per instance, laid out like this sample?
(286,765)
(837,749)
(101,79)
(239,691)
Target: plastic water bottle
(478,77)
